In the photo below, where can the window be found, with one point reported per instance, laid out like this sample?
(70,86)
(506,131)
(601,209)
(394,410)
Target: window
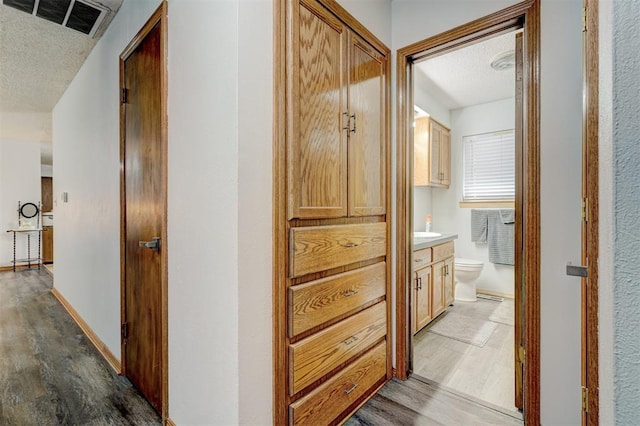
(489,167)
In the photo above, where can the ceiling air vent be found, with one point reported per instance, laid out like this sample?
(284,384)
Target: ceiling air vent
(79,15)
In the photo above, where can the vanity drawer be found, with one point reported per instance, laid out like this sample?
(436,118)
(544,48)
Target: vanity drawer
(317,302)
(318,248)
(421,258)
(316,355)
(329,400)
(443,251)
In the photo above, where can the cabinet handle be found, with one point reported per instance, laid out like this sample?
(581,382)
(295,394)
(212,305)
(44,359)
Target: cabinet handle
(347,124)
(419,283)
(350,340)
(418,260)
(354,122)
(349,293)
(349,245)
(351,389)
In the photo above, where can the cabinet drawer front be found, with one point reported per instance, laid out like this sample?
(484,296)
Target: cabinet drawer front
(320,301)
(443,251)
(328,401)
(318,248)
(315,356)
(421,258)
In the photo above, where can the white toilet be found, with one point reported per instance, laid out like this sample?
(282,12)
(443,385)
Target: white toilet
(466,273)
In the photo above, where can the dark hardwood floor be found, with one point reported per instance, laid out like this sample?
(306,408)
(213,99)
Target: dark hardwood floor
(50,374)
(413,402)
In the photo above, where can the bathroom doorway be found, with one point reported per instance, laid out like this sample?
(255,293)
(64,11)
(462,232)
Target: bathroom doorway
(463,221)
(444,205)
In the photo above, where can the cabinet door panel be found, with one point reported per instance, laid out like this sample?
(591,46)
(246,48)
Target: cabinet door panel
(449,285)
(367,97)
(421,152)
(434,154)
(437,290)
(318,147)
(445,157)
(422,298)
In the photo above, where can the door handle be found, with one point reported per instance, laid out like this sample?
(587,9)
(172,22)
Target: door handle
(154,244)
(576,270)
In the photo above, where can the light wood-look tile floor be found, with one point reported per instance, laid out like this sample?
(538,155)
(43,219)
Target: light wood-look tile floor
(484,374)
(413,402)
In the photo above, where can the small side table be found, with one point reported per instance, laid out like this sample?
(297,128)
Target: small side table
(28,260)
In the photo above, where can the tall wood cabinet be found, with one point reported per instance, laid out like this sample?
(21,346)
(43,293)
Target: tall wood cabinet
(331,299)
(339,83)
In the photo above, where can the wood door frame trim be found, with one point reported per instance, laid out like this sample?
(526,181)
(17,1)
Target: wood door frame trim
(158,17)
(528,13)
(590,365)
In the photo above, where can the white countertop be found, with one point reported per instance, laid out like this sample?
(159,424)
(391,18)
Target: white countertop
(420,243)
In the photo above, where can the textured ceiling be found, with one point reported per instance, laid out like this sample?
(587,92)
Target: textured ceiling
(464,77)
(38,60)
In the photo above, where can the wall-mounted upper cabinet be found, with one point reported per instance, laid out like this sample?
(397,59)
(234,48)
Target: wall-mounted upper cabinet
(336,167)
(431,153)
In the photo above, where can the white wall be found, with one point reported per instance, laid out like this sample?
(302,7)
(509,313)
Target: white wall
(430,98)
(25,126)
(19,181)
(414,20)
(255,261)
(373,14)
(448,216)
(626,208)
(203,193)
(560,177)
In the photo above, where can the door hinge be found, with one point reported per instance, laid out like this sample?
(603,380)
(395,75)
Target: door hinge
(584,19)
(585,399)
(123,95)
(125,331)
(585,209)
(521,354)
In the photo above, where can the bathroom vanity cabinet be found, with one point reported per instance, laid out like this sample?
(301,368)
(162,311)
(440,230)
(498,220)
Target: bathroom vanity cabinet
(433,284)
(431,153)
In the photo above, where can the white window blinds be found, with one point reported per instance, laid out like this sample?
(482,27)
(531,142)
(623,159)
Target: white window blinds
(489,167)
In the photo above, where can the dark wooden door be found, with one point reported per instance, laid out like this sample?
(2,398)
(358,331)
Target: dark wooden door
(143,217)
(46,188)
